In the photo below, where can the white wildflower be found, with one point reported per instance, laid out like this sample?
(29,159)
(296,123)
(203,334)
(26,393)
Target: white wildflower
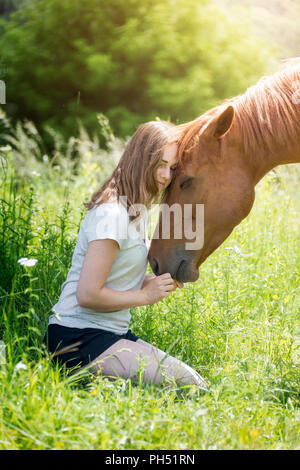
(27,261)
(20,365)
(200,412)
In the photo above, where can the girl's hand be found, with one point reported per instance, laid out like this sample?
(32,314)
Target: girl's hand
(147,279)
(158,288)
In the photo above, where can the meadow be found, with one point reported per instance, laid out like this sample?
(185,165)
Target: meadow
(238,325)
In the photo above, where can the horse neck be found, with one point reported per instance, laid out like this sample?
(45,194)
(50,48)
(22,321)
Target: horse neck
(261,166)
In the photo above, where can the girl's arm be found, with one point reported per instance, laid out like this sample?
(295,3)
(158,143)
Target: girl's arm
(97,264)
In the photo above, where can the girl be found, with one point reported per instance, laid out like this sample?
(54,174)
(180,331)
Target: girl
(107,276)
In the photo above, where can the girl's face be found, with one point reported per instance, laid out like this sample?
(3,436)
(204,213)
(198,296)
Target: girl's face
(167,166)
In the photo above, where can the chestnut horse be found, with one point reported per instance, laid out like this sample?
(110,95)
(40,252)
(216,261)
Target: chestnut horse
(222,155)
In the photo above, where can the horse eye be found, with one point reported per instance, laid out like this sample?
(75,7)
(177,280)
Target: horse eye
(186,182)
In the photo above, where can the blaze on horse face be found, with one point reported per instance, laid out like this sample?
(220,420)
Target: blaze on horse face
(213,174)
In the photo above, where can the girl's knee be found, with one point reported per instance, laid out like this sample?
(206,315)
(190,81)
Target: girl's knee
(123,344)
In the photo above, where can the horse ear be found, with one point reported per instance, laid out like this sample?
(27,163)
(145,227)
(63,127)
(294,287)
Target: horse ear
(220,124)
(224,122)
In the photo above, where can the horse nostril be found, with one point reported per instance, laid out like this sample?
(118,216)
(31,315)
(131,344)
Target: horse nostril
(155,266)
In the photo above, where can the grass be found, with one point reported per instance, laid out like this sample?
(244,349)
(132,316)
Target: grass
(238,325)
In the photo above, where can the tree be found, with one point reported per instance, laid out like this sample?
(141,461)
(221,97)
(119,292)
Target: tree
(133,61)
(8,6)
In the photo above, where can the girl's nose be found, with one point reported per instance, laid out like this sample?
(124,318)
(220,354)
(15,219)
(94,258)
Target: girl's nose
(166,173)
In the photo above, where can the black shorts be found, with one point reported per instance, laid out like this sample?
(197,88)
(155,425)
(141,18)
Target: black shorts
(92,343)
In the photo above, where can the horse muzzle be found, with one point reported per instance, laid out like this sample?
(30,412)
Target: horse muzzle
(180,266)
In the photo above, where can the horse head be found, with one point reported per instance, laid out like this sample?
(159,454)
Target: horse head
(212,176)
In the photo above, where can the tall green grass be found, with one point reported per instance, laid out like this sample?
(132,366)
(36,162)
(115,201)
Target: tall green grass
(238,325)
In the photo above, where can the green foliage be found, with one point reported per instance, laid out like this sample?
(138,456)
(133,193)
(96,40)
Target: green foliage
(8,6)
(68,60)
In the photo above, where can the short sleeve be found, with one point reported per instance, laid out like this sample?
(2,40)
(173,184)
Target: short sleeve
(108,220)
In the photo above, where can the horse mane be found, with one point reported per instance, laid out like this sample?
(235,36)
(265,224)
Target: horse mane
(267,115)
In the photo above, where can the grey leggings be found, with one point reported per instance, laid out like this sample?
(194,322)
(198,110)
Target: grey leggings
(130,359)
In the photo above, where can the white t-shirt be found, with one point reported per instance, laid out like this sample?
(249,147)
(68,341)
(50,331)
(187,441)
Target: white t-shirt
(108,220)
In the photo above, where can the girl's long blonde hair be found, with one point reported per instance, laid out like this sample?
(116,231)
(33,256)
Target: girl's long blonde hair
(134,175)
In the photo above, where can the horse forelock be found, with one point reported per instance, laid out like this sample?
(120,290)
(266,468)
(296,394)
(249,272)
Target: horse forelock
(188,135)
